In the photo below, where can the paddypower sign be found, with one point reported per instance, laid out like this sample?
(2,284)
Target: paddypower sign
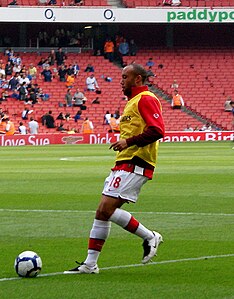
(195,15)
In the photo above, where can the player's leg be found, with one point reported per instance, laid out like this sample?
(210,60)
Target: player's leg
(98,235)
(127,185)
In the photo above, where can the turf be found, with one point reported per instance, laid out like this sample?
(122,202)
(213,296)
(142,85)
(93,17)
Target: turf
(48,200)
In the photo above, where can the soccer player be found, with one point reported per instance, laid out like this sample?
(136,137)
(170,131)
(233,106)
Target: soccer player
(141,126)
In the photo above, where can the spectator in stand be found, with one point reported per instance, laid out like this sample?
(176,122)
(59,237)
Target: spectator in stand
(96,101)
(25,113)
(76,69)
(52,2)
(17,59)
(14,95)
(8,69)
(43,38)
(175,85)
(177,101)
(109,48)
(45,64)
(78,98)
(2,70)
(51,57)
(32,70)
(76,2)
(150,62)
(87,126)
(41,62)
(207,127)
(61,116)
(117,114)
(14,82)
(24,79)
(22,129)
(132,48)
(61,128)
(172,2)
(49,120)
(68,98)
(123,50)
(23,92)
(60,57)
(78,115)
(3,122)
(33,94)
(14,2)
(62,72)
(33,126)
(114,125)
(47,74)
(70,81)
(89,68)
(4,95)
(227,105)
(70,70)
(10,127)
(16,68)
(91,83)
(43,96)
(150,77)
(188,129)
(107,117)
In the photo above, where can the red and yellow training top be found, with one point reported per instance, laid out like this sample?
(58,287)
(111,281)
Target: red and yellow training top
(142,125)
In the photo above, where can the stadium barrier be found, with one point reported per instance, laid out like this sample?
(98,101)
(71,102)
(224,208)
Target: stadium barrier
(106,138)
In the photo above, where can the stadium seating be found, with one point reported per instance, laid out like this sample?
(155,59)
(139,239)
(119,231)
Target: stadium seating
(184,3)
(127,3)
(205,80)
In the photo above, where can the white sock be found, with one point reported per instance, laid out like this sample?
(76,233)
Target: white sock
(98,234)
(128,222)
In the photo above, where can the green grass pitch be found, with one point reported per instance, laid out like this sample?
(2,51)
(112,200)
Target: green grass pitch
(48,200)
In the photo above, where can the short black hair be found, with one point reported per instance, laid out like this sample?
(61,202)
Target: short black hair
(139,70)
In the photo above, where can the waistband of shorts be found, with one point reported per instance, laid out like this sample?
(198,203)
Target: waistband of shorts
(129,167)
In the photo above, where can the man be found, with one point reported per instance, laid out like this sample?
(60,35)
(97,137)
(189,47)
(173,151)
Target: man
(141,126)
(49,120)
(87,126)
(91,83)
(78,98)
(33,126)
(10,127)
(177,101)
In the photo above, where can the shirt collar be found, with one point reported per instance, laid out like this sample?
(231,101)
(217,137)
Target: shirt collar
(138,89)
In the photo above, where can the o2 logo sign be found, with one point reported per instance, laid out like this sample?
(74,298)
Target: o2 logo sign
(109,15)
(49,14)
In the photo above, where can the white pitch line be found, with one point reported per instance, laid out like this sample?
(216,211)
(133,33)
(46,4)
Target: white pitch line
(135,265)
(77,211)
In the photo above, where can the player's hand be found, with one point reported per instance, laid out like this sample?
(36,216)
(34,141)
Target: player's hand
(119,145)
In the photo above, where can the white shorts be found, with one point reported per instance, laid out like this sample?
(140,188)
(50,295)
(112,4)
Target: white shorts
(124,185)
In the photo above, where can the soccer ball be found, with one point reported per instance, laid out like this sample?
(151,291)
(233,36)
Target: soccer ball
(28,264)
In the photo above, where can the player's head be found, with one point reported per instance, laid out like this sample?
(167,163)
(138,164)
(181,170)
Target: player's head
(132,75)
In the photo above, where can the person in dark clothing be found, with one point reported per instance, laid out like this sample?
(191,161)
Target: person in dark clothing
(49,120)
(60,56)
(62,73)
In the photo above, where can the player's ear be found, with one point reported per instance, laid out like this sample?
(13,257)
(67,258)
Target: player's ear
(138,79)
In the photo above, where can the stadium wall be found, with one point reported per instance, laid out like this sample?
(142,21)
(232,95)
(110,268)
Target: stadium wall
(107,138)
(117,15)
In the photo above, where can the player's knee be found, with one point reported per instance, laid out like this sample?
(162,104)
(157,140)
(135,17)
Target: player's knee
(102,214)
(104,211)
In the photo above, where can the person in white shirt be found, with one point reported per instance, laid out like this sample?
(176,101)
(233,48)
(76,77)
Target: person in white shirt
(22,129)
(91,83)
(33,126)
